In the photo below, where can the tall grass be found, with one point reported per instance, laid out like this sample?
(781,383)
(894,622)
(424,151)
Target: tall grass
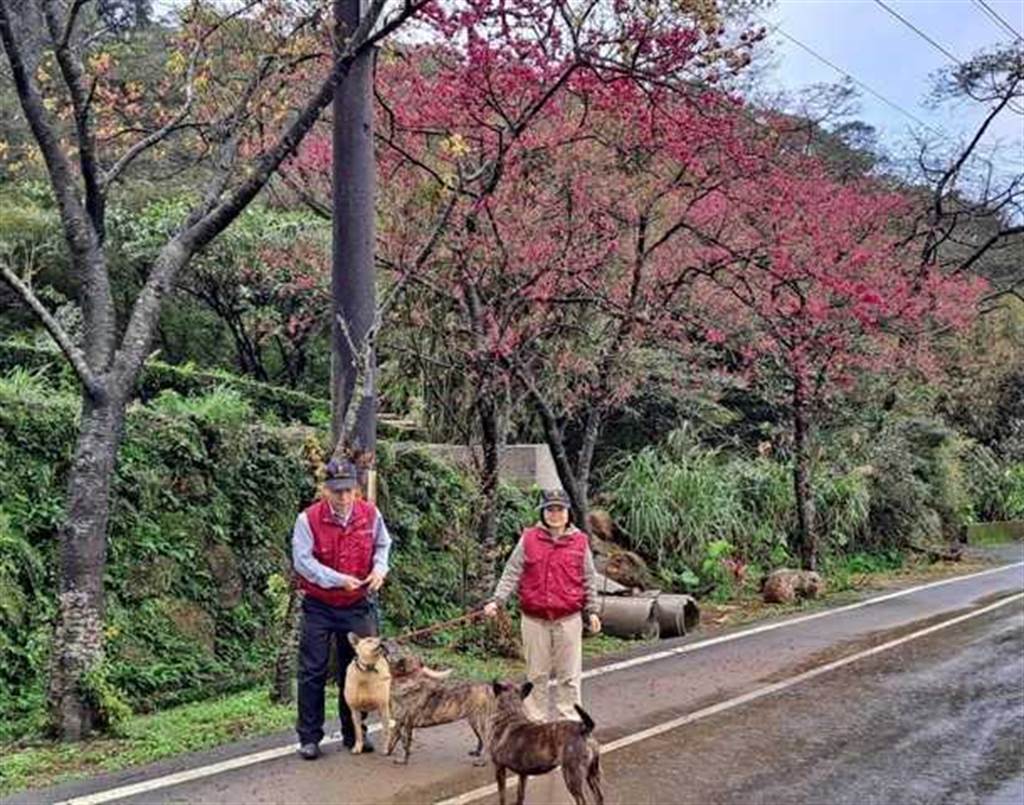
(676,500)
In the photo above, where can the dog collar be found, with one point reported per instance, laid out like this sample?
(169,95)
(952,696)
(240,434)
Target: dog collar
(369,669)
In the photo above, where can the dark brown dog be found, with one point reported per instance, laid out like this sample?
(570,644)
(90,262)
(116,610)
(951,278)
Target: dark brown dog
(528,747)
(420,698)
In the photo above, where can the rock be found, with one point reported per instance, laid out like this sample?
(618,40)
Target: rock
(224,568)
(785,586)
(151,578)
(627,568)
(192,621)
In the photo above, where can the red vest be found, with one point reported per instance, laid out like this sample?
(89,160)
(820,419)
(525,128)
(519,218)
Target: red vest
(551,586)
(346,548)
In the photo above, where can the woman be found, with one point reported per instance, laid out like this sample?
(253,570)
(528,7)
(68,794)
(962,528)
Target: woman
(552,569)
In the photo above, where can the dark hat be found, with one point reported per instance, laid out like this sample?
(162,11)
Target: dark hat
(339,475)
(554,497)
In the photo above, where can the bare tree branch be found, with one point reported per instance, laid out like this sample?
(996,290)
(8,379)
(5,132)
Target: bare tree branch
(74,355)
(172,125)
(202,226)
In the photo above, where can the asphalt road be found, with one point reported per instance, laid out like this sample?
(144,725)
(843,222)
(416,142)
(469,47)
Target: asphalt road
(937,718)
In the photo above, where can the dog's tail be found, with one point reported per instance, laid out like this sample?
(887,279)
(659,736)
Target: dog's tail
(588,722)
(430,673)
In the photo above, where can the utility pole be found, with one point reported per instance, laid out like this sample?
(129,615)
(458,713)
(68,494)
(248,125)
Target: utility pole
(352,265)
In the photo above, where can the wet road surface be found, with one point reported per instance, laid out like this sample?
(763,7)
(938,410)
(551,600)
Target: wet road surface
(939,719)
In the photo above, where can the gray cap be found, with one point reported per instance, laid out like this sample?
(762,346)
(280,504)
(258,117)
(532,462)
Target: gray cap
(554,497)
(339,475)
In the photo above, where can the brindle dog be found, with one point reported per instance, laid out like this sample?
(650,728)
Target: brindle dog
(419,698)
(528,747)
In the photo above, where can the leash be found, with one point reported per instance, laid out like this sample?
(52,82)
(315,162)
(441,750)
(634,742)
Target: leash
(469,617)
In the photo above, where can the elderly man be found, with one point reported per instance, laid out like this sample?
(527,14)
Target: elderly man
(340,549)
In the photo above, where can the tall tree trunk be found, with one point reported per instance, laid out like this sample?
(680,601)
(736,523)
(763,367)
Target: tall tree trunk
(78,639)
(806,527)
(554,437)
(491,444)
(283,690)
(585,462)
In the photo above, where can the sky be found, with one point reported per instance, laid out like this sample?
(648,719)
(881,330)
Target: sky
(863,39)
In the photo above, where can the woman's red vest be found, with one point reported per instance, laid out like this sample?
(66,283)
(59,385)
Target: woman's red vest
(551,586)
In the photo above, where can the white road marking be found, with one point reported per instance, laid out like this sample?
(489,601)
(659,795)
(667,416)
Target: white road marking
(767,690)
(220,767)
(768,627)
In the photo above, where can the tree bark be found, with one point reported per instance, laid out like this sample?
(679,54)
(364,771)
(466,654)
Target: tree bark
(283,690)
(78,638)
(491,444)
(584,463)
(807,537)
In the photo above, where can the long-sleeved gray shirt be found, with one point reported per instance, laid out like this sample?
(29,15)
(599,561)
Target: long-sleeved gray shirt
(319,574)
(509,581)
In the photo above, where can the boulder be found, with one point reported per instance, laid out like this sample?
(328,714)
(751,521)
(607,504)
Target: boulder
(785,586)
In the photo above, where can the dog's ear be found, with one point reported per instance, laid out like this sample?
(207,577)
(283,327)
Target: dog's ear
(525,690)
(497,687)
(354,639)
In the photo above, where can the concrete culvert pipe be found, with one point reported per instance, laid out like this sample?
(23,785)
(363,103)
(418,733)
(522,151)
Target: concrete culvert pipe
(677,615)
(629,617)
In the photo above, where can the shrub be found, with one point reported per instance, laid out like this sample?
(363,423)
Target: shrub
(203,504)
(919,490)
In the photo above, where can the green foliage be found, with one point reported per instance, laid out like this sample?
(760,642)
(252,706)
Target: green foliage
(266,401)
(680,502)
(204,500)
(689,507)
(432,512)
(222,406)
(1012,493)
(105,700)
(918,487)
(146,738)
(842,569)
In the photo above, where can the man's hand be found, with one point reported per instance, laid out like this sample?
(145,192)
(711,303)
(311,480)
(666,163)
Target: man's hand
(350,583)
(491,609)
(374,581)
(595,624)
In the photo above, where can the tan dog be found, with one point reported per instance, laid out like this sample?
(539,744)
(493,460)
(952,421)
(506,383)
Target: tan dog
(528,747)
(421,699)
(368,685)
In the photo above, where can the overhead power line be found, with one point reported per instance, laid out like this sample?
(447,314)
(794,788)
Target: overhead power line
(919,32)
(862,84)
(997,18)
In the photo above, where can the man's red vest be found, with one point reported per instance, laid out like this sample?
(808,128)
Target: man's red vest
(346,548)
(551,586)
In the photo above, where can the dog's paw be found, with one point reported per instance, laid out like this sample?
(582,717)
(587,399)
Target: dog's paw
(480,761)
(357,750)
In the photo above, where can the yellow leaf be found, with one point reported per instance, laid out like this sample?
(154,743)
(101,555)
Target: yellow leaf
(456,145)
(176,63)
